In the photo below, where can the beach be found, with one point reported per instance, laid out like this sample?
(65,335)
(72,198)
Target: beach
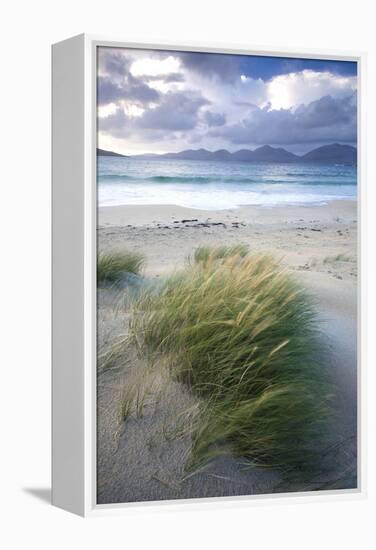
(317,243)
(307,239)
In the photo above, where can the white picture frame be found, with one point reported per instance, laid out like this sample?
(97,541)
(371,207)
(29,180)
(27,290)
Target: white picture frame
(74,277)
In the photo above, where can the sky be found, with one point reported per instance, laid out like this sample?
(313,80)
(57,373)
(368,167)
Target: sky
(152,101)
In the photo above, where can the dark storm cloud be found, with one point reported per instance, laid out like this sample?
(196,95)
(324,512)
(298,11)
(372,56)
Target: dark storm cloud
(131,88)
(221,66)
(214,119)
(116,83)
(120,125)
(327,119)
(327,111)
(177,111)
(113,62)
(171,77)
(116,124)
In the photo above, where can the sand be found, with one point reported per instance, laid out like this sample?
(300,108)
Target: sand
(319,244)
(303,237)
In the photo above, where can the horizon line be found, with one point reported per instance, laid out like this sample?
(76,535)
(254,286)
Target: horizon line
(223,149)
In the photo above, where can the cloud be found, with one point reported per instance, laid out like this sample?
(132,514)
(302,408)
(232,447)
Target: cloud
(113,62)
(131,88)
(172,77)
(155,64)
(116,124)
(176,112)
(116,83)
(288,90)
(328,112)
(214,119)
(148,96)
(211,65)
(327,119)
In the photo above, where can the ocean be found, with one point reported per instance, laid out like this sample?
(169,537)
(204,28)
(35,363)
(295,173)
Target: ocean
(218,185)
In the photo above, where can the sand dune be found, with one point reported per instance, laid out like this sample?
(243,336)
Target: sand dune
(136,461)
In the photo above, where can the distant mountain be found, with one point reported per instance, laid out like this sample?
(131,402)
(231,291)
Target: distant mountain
(271,154)
(333,154)
(103,153)
(243,155)
(146,156)
(199,154)
(262,154)
(221,154)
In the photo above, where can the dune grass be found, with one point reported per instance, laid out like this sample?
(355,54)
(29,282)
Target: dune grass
(204,253)
(241,333)
(112,266)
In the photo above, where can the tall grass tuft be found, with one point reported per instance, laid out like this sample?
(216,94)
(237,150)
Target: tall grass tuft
(204,253)
(241,332)
(112,266)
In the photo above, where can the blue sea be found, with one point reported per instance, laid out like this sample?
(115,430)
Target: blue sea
(219,185)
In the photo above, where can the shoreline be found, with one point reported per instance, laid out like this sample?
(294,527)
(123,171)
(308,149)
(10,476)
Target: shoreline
(150,214)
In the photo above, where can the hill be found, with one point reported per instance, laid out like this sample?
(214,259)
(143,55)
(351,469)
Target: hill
(333,154)
(103,153)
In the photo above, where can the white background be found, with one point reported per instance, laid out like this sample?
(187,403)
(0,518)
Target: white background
(27,30)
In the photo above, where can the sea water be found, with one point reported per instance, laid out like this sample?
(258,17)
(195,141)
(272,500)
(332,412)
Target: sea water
(219,185)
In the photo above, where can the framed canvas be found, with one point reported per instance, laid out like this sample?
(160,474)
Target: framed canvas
(206,275)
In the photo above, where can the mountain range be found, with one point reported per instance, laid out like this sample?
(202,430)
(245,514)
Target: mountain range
(331,154)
